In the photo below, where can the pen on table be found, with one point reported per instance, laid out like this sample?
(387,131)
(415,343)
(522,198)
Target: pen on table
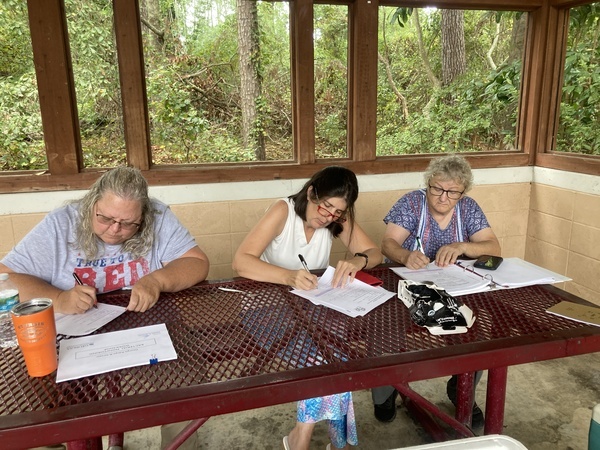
(303,261)
(419,245)
(80,283)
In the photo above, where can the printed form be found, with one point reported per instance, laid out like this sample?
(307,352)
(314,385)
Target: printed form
(355,299)
(101,353)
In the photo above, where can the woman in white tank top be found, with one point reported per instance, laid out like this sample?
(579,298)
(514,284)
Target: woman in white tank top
(305,224)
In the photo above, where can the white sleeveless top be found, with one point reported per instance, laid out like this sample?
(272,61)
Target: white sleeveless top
(284,249)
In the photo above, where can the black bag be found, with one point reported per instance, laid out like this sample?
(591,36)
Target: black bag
(435,307)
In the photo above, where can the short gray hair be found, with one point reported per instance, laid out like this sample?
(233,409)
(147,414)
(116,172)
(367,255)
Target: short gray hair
(127,183)
(450,168)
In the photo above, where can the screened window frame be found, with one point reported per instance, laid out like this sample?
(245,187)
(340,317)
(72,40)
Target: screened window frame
(541,85)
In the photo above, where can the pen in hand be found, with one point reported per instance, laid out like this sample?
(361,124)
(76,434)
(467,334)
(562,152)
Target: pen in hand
(419,245)
(80,283)
(303,261)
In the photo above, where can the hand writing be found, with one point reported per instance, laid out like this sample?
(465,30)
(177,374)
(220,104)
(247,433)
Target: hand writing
(301,279)
(416,260)
(76,300)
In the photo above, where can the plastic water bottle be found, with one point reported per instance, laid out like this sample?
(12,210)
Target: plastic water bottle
(9,296)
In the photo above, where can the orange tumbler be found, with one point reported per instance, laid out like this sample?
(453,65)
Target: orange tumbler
(36,332)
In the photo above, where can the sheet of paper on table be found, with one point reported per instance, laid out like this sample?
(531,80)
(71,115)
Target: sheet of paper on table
(88,322)
(515,272)
(101,353)
(462,278)
(453,279)
(355,299)
(574,311)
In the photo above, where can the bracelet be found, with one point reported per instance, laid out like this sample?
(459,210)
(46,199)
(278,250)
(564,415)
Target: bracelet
(366,259)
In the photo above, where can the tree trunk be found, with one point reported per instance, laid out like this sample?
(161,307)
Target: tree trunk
(454,61)
(517,37)
(150,17)
(250,81)
(425,57)
(388,71)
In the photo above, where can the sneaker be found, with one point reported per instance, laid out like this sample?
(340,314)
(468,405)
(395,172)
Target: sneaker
(477,417)
(386,412)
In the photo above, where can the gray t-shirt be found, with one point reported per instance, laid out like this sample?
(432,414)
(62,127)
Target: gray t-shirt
(48,252)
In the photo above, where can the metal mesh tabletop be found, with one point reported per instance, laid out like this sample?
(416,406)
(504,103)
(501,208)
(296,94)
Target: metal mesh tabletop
(234,341)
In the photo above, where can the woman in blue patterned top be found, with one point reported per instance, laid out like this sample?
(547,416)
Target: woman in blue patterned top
(438,223)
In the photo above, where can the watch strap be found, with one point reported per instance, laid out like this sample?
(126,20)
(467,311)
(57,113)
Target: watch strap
(366,259)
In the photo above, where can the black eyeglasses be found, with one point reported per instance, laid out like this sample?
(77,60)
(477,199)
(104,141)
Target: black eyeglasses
(128,226)
(452,195)
(338,218)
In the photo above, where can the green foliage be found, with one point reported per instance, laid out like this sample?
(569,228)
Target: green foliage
(478,112)
(15,45)
(579,123)
(331,85)
(193,84)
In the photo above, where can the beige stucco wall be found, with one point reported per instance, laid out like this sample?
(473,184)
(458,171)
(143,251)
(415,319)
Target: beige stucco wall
(563,234)
(551,226)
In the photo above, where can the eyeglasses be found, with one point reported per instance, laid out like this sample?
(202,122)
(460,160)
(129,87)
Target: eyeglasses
(127,226)
(452,195)
(338,218)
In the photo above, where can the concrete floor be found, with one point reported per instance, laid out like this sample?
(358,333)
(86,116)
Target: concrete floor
(548,406)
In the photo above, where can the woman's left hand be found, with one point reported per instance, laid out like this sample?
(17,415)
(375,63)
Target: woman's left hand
(144,294)
(448,254)
(345,271)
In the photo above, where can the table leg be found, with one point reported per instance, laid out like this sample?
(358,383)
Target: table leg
(465,397)
(85,444)
(494,404)
(115,441)
(189,429)
(426,411)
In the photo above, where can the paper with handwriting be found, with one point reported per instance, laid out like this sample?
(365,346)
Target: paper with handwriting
(88,322)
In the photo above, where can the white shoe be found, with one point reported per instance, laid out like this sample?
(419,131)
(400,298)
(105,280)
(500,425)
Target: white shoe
(286,445)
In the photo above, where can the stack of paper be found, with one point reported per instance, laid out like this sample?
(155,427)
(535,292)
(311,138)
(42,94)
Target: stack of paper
(355,299)
(453,279)
(514,272)
(462,278)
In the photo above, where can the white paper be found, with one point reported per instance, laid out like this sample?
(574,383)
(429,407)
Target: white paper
(88,322)
(515,272)
(355,299)
(100,353)
(453,279)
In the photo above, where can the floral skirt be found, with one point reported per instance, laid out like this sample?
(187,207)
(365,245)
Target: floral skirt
(338,409)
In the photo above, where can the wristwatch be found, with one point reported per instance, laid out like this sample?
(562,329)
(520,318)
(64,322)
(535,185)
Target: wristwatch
(366,259)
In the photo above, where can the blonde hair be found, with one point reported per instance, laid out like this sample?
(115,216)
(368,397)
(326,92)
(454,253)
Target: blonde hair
(127,183)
